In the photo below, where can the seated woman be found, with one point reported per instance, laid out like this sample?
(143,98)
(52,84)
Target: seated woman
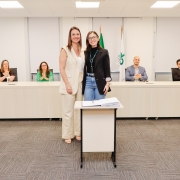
(44,74)
(5,72)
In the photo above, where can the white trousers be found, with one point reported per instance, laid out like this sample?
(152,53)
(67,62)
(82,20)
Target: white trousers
(71,117)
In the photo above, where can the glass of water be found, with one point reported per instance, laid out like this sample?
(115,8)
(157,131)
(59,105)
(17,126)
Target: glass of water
(8,79)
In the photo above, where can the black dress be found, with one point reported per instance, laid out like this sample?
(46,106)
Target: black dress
(11,73)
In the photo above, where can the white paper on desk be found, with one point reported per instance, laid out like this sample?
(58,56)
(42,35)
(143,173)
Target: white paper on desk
(102,102)
(90,103)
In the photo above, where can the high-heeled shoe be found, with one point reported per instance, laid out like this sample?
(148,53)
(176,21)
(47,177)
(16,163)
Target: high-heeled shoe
(68,141)
(78,138)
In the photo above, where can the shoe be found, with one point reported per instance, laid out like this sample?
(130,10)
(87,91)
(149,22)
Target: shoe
(78,138)
(68,141)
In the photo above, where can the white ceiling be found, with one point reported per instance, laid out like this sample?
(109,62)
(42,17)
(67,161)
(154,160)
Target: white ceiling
(108,8)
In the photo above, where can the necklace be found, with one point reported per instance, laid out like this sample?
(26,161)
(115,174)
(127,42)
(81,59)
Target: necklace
(92,59)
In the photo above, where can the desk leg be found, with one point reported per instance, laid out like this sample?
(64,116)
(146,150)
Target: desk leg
(81,153)
(114,153)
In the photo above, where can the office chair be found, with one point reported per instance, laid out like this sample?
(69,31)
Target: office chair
(172,72)
(15,73)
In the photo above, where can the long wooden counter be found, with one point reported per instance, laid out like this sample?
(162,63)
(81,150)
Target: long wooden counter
(30,100)
(147,99)
(42,99)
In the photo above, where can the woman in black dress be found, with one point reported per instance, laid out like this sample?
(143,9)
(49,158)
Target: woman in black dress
(6,72)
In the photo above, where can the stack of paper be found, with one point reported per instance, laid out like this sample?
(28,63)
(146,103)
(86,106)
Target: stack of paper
(102,102)
(110,102)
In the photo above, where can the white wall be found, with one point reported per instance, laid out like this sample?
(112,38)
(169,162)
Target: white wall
(167,44)
(44,42)
(139,41)
(13,45)
(110,28)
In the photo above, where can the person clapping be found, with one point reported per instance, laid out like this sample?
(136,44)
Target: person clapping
(44,74)
(6,72)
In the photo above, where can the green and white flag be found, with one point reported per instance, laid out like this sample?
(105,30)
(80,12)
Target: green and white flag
(101,42)
(121,58)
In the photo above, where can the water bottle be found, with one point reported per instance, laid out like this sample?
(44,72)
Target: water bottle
(50,78)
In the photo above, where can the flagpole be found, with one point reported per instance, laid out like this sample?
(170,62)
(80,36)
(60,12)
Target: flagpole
(121,32)
(101,42)
(122,62)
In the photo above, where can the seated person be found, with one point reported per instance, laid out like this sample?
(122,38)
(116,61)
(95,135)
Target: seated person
(6,72)
(44,74)
(176,72)
(136,72)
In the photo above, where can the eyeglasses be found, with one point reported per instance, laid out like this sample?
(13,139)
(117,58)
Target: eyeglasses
(43,65)
(91,38)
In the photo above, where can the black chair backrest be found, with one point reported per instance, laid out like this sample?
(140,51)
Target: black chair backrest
(15,73)
(172,69)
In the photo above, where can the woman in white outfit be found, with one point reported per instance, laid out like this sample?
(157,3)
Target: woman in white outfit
(71,68)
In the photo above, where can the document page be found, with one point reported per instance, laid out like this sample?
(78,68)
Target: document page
(102,102)
(91,103)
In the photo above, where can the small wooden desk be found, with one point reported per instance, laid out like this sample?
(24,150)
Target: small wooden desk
(98,129)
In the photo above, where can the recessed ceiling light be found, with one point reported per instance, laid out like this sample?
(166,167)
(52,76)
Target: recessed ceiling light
(80,4)
(165,4)
(10,4)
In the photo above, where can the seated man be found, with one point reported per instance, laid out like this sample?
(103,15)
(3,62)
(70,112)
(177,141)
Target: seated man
(176,72)
(136,72)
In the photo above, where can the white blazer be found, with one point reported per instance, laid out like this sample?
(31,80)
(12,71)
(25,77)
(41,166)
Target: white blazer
(72,70)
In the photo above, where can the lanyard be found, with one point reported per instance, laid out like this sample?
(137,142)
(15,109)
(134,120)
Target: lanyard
(92,59)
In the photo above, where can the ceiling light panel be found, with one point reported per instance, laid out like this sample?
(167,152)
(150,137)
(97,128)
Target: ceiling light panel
(80,4)
(165,4)
(10,4)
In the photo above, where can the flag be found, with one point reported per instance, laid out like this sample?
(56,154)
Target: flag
(101,42)
(122,60)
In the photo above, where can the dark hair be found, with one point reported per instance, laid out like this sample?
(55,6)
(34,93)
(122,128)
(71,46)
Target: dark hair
(2,68)
(69,38)
(88,46)
(177,61)
(47,71)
